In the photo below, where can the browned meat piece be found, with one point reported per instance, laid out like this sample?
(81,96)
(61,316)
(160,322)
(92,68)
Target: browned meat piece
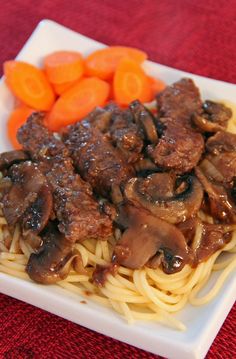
(179,101)
(126,135)
(77,211)
(29,200)
(96,159)
(101,117)
(9,158)
(214,118)
(164,197)
(180,146)
(147,237)
(53,260)
(221,142)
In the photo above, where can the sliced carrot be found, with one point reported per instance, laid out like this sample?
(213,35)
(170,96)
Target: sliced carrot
(157,85)
(77,102)
(131,83)
(17,118)
(64,66)
(29,84)
(103,63)
(61,88)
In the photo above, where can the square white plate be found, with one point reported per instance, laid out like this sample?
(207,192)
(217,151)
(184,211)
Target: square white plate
(204,322)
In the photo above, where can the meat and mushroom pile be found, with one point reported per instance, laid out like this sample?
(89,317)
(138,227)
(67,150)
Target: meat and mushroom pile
(148,176)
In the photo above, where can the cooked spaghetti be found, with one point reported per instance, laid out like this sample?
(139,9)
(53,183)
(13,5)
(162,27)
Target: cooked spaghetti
(144,294)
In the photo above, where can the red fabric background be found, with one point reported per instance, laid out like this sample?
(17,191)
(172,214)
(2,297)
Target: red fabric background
(196,36)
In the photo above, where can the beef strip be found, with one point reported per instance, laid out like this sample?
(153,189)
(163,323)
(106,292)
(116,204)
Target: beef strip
(126,135)
(180,146)
(98,162)
(77,211)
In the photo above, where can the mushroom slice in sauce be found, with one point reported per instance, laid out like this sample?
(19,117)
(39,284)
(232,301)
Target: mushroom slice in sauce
(157,194)
(146,236)
(53,260)
(29,199)
(144,118)
(9,158)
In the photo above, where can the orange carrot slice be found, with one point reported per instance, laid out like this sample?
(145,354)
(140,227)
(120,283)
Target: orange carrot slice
(17,118)
(131,83)
(77,102)
(157,85)
(61,88)
(29,84)
(64,66)
(103,63)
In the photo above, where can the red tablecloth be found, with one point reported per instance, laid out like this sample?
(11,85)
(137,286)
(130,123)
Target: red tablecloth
(196,36)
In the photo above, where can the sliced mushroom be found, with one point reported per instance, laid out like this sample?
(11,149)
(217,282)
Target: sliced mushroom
(9,158)
(145,119)
(53,260)
(205,125)
(221,202)
(29,200)
(146,236)
(157,194)
(221,142)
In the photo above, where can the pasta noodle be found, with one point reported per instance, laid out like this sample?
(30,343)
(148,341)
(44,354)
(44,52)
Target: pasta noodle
(145,294)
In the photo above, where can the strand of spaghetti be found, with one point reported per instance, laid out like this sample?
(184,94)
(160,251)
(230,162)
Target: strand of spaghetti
(180,283)
(94,259)
(127,283)
(77,290)
(90,245)
(197,237)
(77,278)
(119,290)
(115,281)
(170,320)
(25,248)
(105,251)
(15,240)
(13,265)
(193,279)
(98,249)
(11,256)
(124,298)
(13,272)
(83,252)
(153,298)
(125,271)
(213,292)
(137,282)
(127,313)
(160,277)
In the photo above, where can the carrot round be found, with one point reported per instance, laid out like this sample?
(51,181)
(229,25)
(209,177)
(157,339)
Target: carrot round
(103,63)
(29,84)
(64,66)
(61,88)
(131,83)
(77,102)
(157,85)
(16,119)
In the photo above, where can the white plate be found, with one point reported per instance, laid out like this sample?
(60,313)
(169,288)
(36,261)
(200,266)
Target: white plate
(203,322)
